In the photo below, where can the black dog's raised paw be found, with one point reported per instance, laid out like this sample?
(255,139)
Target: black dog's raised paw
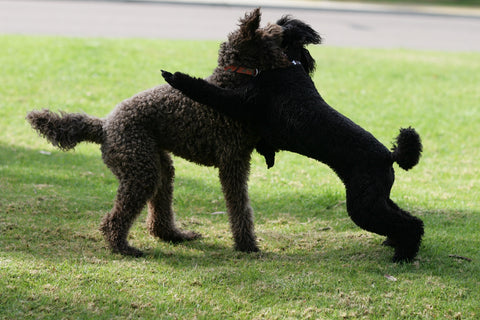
(167,76)
(177,80)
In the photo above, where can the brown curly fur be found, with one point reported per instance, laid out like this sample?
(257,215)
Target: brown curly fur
(138,136)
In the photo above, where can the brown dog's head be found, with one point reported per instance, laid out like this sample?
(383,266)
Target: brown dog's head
(253,47)
(273,46)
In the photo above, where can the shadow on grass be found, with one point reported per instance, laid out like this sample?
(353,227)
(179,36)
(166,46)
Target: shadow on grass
(71,171)
(66,225)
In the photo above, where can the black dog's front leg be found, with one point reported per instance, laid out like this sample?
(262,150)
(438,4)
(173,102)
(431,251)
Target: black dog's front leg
(230,102)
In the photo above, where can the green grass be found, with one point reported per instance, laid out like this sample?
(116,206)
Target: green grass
(315,263)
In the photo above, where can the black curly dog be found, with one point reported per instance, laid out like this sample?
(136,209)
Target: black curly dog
(287,111)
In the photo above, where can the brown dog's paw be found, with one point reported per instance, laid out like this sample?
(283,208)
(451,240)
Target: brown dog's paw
(177,236)
(189,236)
(247,247)
(128,251)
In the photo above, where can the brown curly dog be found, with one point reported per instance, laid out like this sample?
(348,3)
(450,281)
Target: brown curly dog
(138,136)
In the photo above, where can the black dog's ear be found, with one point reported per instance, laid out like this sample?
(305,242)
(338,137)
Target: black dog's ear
(250,23)
(296,35)
(296,31)
(307,61)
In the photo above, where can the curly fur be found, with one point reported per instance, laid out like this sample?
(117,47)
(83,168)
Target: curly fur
(296,34)
(138,136)
(65,130)
(287,111)
(407,149)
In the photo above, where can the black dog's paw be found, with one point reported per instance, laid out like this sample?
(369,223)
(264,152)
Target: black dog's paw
(405,253)
(171,78)
(389,242)
(177,80)
(167,76)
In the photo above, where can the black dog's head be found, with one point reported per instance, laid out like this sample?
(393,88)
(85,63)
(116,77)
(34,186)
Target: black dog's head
(296,35)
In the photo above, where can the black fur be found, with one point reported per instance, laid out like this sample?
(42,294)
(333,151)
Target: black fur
(296,35)
(285,108)
(407,149)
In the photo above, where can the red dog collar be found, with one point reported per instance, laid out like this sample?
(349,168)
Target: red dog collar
(242,70)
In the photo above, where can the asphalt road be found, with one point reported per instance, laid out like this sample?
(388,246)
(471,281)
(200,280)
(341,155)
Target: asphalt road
(344,26)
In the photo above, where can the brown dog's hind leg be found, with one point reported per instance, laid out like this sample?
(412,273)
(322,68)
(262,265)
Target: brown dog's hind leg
(161,218)
(130,200)
(136,168)
(234,178)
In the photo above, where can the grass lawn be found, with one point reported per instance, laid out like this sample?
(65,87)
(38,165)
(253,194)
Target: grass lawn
(315,263)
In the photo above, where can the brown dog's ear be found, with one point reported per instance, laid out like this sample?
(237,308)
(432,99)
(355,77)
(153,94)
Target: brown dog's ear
(250,23)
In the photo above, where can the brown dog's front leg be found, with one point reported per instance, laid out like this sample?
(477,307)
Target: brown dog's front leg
(234,177)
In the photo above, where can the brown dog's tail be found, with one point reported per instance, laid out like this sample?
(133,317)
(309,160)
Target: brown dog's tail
(65,130)
(407,149)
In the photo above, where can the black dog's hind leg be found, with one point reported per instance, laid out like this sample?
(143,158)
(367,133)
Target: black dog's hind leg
(230,102)
(407,241)
(376,213)
(389,241)
(161,218)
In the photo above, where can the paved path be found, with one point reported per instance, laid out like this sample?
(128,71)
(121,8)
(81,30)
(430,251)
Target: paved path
(340,24)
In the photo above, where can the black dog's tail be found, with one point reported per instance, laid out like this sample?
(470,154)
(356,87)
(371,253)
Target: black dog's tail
(407,149)
(65,130)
